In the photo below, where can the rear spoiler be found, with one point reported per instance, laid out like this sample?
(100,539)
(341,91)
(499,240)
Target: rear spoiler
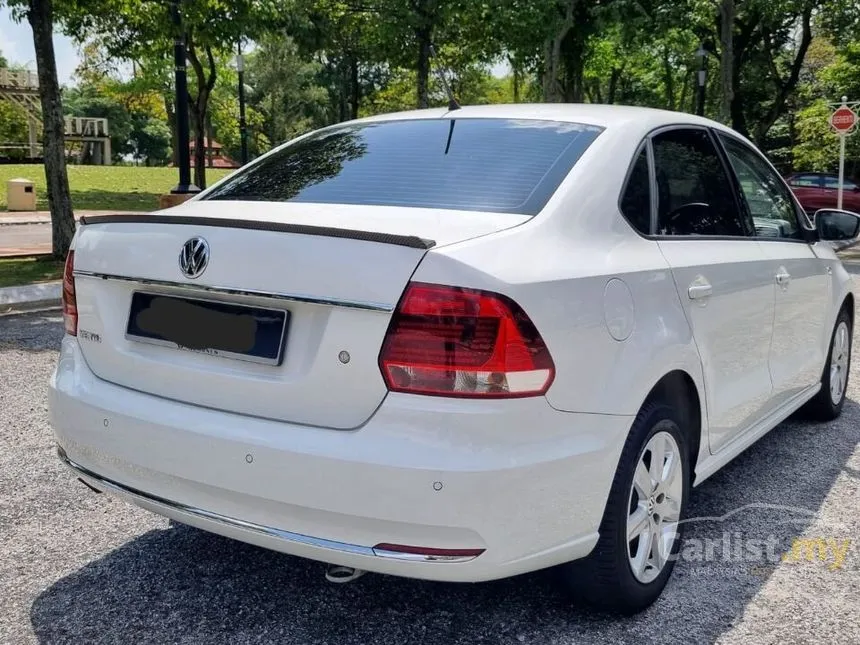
(411,241)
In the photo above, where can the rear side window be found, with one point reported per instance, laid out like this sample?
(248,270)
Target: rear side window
(636,200)
(506,166)
(806,181)
(695,194)
(833,184)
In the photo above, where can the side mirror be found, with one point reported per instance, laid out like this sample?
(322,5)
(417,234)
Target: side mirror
(841,227)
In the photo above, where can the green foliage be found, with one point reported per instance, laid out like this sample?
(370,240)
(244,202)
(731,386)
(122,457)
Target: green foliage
(284,91)
(151,139)
(14,130)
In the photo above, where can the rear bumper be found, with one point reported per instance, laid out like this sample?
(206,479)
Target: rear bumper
(517,478)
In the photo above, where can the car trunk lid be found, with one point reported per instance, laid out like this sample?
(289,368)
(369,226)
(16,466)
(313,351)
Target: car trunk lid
(337,282)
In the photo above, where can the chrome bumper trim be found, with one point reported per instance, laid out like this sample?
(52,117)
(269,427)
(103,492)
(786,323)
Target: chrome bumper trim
(289,297)
(268,531)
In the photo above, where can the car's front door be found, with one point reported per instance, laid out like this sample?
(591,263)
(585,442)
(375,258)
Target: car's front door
(801,282)
(722,277)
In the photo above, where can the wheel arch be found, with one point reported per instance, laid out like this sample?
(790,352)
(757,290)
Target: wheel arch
(678,389)
(848,305)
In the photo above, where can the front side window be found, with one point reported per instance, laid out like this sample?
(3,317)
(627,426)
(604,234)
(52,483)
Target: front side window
(636,200)
(496,165)
(767,197)
(695,194)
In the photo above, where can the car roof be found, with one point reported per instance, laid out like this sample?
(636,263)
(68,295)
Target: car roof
(605,116)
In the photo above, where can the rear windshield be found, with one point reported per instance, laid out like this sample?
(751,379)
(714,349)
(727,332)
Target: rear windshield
(506,166)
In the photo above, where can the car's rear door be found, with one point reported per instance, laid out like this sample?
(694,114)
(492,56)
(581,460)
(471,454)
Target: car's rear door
(721,273)
(801,282)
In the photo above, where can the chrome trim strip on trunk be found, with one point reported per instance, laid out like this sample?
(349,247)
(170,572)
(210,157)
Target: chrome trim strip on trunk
(268,531)
(290,297)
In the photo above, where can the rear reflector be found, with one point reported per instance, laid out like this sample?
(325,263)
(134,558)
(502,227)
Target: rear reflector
(449,341)
(70,302)
(402,551)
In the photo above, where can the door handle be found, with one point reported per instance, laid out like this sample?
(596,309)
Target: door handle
(699,290)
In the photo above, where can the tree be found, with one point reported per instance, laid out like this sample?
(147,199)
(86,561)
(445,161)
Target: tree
(40,15)
(136,30)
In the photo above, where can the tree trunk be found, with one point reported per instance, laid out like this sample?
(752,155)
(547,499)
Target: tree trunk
(426,14)
(669,80)
(200,107)
(209,132)
(784,89)
(198,119)
(40,14)
(423,36)
(552,65)
(727,59)
(613,85)
(354,86)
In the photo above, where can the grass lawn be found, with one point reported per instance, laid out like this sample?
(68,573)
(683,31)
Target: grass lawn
(103,187)
(15,271)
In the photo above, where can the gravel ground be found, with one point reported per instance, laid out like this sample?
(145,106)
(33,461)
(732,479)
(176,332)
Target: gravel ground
(83,568)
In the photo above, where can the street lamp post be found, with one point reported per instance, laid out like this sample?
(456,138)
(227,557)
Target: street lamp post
(183,154)
(702,55)
(243,126)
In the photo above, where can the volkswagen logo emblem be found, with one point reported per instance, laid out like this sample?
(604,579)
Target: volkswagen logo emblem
(194,257)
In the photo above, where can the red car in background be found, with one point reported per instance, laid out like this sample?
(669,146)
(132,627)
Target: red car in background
(818,190)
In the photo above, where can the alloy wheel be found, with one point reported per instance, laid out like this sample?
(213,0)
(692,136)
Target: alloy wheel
(654,506)
(839,362)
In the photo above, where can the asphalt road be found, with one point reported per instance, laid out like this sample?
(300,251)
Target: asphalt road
(76,567)
(18,239)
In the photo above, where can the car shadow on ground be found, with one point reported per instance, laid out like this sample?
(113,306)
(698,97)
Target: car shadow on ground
(184,585)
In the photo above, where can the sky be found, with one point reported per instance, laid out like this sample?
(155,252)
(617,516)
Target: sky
(16,45)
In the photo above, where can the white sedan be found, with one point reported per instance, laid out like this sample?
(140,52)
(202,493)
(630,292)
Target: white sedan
(456,345)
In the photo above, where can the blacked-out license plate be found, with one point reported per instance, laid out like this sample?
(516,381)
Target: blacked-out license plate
(215,328)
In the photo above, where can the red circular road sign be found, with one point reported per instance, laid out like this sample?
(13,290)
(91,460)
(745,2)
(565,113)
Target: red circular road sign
(843,119)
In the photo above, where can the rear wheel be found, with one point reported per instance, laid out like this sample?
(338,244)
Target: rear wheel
(827,404)
(640,531)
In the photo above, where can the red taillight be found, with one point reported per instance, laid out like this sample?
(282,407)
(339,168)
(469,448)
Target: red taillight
(449,341)
(70,303)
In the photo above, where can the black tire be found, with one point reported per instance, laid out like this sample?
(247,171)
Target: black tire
(605,578)
(822,407)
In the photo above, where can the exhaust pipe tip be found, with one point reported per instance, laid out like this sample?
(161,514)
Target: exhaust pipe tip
(341,575)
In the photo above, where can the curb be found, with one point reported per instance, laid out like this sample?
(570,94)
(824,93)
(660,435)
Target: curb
(8,221)
(44,295)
